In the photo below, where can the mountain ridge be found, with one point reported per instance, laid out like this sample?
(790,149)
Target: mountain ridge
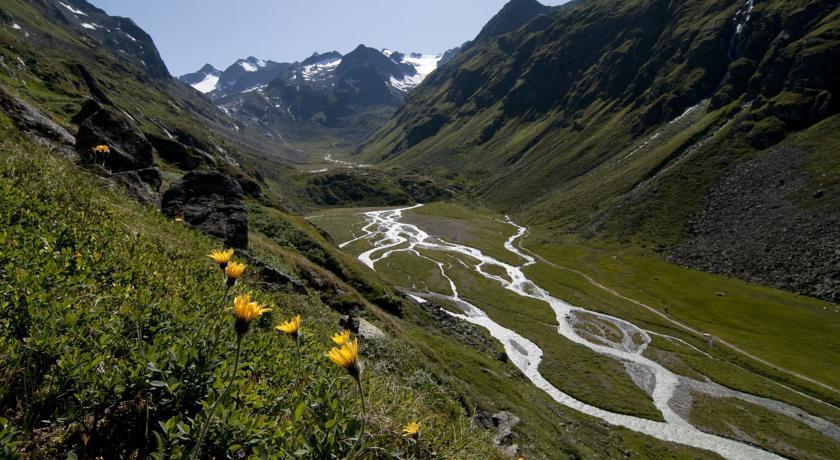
(558,120)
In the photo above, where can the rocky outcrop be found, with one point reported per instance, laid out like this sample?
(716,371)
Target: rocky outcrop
(503,424)
(182,156)
(31,120)
(129,148)
(142,184)
(212,203)
(130,159)
(368,331)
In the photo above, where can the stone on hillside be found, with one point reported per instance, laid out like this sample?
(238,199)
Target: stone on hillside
(182,156)
(212,203)
(142,184)
(129,148)
(504,421)
(31,120)
(369,331)
(351,323)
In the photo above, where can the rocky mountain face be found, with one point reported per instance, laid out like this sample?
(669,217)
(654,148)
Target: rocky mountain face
(120,35)
(325,88)
(75,78)
(628,119)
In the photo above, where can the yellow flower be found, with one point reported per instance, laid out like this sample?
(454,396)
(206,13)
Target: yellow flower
(341,338)
(233,271)
(347,357)
(291,327)
(221,257)
(102,149)
(245,311)
(412,429)
(179,219)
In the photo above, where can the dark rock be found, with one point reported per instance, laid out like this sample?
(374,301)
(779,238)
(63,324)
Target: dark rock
(182,156)
(89,108)
(143,184)
(130,150)
(32,120)
(505,421)
(484,420)
(351,323)
(211,202)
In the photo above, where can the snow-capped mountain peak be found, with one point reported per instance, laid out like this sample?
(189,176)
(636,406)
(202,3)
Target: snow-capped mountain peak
(424,64)
(205,80)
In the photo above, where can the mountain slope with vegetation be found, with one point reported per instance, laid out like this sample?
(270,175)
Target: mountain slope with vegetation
(627,121)
(117,340)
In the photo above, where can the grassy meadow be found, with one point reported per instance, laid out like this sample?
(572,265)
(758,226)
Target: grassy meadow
(793,337)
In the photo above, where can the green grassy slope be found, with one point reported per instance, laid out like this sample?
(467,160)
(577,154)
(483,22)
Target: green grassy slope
(787,340)
(109,318)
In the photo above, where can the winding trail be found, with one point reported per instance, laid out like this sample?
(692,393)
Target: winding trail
(389,236)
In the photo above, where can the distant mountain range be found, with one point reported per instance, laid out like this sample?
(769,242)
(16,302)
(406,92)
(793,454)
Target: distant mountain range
(323,87)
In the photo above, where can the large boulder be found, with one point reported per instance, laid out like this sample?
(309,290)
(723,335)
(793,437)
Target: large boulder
(142,184)
(31,120)
(212,203)
(130,150)
(182,156)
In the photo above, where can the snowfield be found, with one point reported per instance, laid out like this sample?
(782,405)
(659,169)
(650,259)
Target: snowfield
(73,10)
(248,66)
(424,64)
(207,85)
(318,70)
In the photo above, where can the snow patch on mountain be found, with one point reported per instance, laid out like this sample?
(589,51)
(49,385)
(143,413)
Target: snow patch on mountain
(15,26)
(89,26)
(255,88)
(248,66)
(424,64)
(317,70)
(73,10)
(207,85)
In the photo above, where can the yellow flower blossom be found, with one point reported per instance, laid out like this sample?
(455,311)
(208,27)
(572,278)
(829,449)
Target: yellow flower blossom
(347,357)
(291,327)
(102,149)
(341,338)
(233,271)
(245,312)
(412,430)
(221,257)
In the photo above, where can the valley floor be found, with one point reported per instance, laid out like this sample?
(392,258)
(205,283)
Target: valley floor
(613,332)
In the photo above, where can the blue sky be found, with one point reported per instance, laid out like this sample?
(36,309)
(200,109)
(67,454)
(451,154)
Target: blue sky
(190,33)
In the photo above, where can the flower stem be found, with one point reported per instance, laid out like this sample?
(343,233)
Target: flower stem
(224,393)
(216,332)
(364,419)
